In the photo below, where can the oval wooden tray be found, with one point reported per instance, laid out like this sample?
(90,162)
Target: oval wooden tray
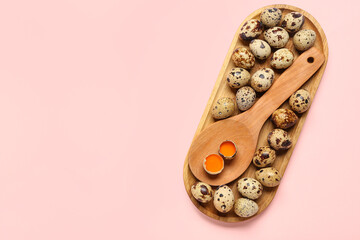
(221,89)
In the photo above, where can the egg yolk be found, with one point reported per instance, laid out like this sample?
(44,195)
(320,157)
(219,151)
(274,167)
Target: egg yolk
(227,149)
(214,163)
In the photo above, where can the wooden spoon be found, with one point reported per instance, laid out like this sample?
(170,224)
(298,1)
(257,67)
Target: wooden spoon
(243,129)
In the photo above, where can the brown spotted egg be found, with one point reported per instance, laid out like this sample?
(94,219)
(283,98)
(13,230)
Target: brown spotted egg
(262,79)
(293,22)
(249,188)
(260,49)
(282,58)
(269,177)
(279,139)
(251,30)
(238,77)
(284,118)
(245,207)
(264,157)
(304,39)
(202,192)
(300,101)
(223,199)
(270,17)
(243,58)
(223,108)
(277,37)
(245,98)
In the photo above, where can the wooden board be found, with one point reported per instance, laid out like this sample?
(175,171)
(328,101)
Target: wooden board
(221,89)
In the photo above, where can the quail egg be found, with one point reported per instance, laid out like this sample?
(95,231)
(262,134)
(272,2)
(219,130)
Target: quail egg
(245,207)
(249,188)
(227,150)
(270,17)
(262,79)
(238,77)
(277,37)
(223,199)
(269,177)
(202,192)
(279,139)
(282,58)
(251,30)
(284,118)
(293,22)
(304,39)
(300,101)
(245,98)
(264,157)
(223,108)
(243,58)
(260,49)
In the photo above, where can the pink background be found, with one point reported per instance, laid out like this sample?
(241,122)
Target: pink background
(100,100)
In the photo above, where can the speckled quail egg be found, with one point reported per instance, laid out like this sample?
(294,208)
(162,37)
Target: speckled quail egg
(293,22)
(277,37)
(304,39)
(245,207)
(262,79)
(223,199)
(264,157)
(300,101)
(260,49)
(223,108)
(202,192)
(270,17)
(249,188)
(269,177)
(284,118)
(251,30)
(245,98)
(243,58)
(279,139)
(282,58)
(238,77)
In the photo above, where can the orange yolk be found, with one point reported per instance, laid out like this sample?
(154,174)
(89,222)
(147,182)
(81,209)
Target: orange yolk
(214,163)
(227,149)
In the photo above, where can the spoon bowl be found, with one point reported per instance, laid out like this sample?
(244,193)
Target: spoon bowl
(204,145)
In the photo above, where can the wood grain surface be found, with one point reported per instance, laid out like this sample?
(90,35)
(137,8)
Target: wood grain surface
(221,89)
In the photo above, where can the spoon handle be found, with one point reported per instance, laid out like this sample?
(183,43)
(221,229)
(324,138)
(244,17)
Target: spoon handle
(288,82)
